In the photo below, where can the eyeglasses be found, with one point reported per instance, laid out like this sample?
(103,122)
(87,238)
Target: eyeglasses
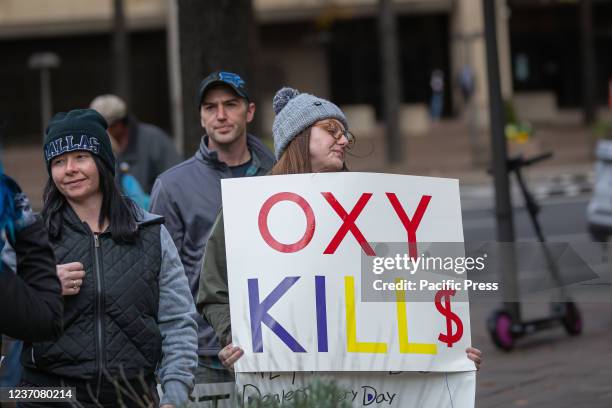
(336,131)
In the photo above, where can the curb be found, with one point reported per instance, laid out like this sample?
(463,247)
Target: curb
(560,185)
(565,185)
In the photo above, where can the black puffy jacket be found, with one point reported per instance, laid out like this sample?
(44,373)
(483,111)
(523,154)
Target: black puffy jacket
(111,324)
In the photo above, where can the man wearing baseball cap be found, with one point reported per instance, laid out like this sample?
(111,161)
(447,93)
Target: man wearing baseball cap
(189,194)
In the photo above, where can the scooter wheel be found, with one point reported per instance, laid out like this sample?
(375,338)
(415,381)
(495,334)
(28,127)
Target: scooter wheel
(572,319)
(500,329)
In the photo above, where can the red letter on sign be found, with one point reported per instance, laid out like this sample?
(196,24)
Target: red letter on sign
(410,225)
(349,223)
(263,222)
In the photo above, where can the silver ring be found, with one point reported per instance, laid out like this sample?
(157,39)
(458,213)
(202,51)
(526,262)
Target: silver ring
(74,284)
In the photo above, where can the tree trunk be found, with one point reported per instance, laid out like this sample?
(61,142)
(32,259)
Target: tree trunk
(213,35)
(391,94)
(121,54)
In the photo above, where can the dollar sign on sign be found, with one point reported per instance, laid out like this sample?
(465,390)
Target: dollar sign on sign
(449,338)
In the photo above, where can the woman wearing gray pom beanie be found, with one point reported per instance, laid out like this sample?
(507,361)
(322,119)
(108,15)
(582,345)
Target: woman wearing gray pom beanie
(310,136)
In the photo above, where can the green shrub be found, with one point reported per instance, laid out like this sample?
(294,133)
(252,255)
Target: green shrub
(603,129)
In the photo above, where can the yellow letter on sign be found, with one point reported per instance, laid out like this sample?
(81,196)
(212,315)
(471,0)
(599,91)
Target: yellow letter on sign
(352,345)
(402,327)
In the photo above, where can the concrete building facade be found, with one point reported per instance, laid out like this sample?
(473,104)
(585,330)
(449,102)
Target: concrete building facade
(327,47)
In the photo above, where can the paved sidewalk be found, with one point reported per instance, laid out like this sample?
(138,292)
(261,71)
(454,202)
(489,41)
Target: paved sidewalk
(548,369)
(563,181)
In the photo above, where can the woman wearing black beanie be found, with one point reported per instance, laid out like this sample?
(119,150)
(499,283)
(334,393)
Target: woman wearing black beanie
(127,315)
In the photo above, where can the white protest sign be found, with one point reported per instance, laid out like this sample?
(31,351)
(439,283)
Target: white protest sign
(293,246)
(401,389)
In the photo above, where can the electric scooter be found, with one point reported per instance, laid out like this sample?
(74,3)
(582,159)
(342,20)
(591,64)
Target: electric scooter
(505,325)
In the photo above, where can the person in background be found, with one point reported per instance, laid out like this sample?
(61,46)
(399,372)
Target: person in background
(437,94)
(143,150)
(31,305)
(128,311)
(30,294)
(189,194)
(467,82)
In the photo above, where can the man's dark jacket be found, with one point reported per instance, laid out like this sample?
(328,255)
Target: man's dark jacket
(149,153)
(30,300)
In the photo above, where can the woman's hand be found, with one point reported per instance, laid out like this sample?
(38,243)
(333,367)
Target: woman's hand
(475,355)
(71,276)
(229,355)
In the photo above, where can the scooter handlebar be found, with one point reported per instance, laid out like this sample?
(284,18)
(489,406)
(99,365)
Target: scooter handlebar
(517,162)
(538,158)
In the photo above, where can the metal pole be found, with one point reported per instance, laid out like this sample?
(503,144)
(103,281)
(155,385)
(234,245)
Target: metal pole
(46,107)
(503,204)
(43,62)
(390,78)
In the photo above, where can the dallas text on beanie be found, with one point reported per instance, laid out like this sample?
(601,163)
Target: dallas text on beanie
(66,144)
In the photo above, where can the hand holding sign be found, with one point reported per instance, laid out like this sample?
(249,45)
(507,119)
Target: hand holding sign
(229,355)
(475,355)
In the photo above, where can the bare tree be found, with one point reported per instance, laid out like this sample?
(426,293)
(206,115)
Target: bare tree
(121,53)
(391,94)
(213,35)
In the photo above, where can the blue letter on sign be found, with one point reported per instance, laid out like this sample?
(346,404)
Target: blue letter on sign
(259,315)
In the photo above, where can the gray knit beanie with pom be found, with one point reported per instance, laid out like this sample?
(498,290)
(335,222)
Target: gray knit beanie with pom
(297,111)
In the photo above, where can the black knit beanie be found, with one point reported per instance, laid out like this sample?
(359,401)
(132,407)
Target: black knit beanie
(79,129)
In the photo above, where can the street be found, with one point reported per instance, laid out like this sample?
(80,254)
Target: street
(550,368)
(562,219)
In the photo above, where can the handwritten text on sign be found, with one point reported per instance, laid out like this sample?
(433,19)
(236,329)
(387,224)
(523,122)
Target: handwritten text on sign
(293,247)
(383,389)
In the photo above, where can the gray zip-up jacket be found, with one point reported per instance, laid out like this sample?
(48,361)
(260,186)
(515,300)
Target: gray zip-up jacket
(178,330)
(188,196)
